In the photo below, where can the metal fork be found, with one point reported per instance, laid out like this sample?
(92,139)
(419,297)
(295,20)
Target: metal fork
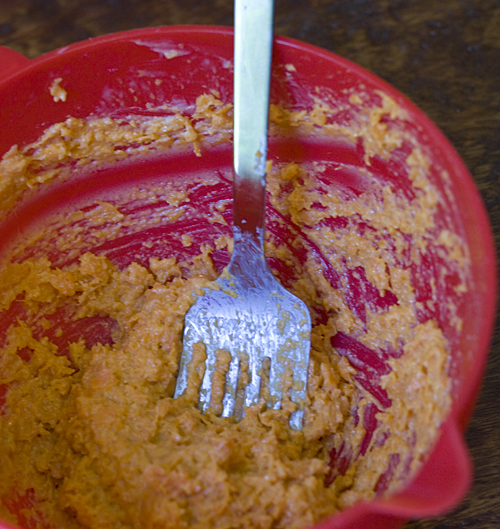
(250,315)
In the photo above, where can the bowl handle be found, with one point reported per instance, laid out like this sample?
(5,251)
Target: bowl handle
(10,62)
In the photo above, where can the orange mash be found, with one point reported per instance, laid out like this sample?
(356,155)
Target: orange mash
(90,435)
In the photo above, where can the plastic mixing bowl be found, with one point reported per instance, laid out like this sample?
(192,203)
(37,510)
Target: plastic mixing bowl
(117,74)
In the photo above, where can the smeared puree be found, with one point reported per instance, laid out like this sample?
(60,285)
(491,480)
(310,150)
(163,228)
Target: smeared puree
(90,435)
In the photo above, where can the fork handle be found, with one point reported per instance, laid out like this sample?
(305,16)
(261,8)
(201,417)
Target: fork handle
(253,21)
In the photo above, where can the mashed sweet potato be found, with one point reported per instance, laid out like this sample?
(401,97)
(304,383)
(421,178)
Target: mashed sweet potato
(90,435)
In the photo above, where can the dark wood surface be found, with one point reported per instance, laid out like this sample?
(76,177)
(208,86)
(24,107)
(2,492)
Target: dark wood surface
(442,54)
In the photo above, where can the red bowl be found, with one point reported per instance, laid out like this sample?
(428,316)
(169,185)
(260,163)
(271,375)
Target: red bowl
(94,74)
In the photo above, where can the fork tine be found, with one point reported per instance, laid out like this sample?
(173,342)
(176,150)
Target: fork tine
(276,376)
(231,387)
(291,363)
(299,394)
(186,357)
(252,391)
(206,385)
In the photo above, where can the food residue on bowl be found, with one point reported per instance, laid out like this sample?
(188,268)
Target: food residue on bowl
(93,305)
(57,92)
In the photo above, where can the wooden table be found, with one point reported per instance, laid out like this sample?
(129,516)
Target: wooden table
(443,54)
